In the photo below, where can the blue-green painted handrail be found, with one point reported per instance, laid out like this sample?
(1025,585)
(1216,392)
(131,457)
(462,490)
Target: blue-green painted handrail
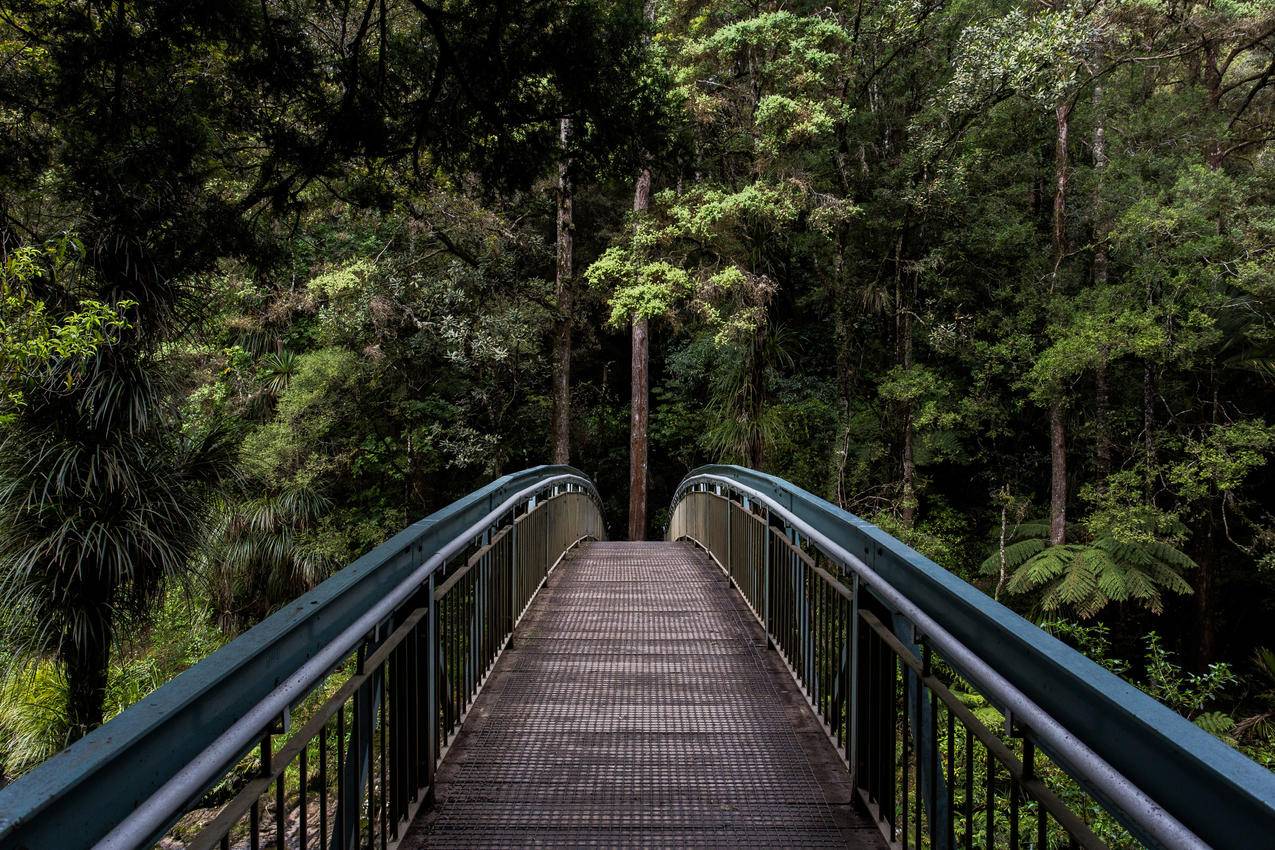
(1223,797)
(77,796)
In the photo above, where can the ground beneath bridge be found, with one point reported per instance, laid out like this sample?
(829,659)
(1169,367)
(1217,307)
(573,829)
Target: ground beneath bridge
(638,706)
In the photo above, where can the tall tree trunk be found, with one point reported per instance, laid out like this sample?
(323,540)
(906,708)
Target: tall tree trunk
(756,399)
(1062,175)
(1213,86)
(1102,226)
(1057,475)
(903,354)
(639,392)
(1148,410)
(909,469)
(1057,424)
(561,421)
(1102,407)
(86,663)
(1205,629)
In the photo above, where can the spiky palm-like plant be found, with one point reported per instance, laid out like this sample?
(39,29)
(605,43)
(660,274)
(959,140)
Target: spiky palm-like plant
(746,424)
(256,558)
(1086,577)
(101,503)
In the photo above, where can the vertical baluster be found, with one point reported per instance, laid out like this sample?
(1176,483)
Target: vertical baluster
(303,811)
(254,814)
(951,779)
(369,727)
(933,818)
(906,737)
(990,802)
(872,742)
(455,664)
(385,786)
(1013,812)
(280,811)
(918,748)
(969,789)
(323,786)
(825,640)
(342,829)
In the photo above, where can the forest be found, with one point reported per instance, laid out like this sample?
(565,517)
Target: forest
(281,277)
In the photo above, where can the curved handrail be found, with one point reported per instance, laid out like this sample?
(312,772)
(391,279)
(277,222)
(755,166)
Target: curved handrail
(143,767)
(1177,783)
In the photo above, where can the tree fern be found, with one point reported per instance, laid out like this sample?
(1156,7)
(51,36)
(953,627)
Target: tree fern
(1084,578)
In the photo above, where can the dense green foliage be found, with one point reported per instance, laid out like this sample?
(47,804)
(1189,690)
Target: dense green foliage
(995,275)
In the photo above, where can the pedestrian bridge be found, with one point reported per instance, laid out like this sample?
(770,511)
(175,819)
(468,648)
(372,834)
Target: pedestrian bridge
(776,673)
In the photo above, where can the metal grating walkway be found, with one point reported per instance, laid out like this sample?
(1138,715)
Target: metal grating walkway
(638,706)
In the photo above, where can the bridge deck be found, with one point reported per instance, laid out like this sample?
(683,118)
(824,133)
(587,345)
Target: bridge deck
(638,705)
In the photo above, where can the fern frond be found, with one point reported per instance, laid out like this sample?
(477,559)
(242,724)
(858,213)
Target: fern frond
(1169,578)
(1015,555)
(1029,529)
(1080,580)
(1215,722)
(1173,557)
(1040,569)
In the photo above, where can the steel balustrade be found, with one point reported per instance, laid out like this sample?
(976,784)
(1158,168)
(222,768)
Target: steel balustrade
(382,661)
(891,651)
(324,725)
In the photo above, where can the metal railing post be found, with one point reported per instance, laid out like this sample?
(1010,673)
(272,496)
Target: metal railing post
(431,690)
(770,640)
(730,539)
(513,575)
(852,719)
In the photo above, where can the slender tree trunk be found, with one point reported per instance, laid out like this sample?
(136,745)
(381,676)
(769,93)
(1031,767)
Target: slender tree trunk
(845,379)
(86,665)
(1057,475)
(1148,411)
(1102,406)
(639,393)
(1206,632)
(1057,423)
(561,422)
(1102,391)
(909,429)
(903,355)
(909,470)
(1213,86)
(1102,225)
(1062,176)
(1004,573)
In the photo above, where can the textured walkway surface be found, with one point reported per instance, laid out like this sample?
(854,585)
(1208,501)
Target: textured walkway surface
(639,706)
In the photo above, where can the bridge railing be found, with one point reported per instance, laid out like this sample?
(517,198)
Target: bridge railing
(322,725)
(900,660)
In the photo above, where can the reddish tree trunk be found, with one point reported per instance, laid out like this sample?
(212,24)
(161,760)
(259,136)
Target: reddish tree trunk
(639,393)
(561,419)
(638,431)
